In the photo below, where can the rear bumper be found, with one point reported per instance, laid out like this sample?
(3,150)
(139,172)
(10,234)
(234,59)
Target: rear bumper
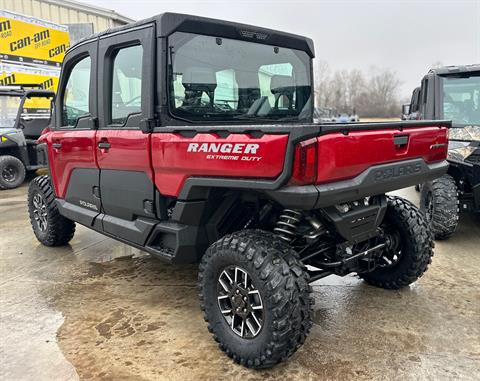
(377,179)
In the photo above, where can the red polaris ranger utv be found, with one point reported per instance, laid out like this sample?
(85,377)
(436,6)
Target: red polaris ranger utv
(192,139)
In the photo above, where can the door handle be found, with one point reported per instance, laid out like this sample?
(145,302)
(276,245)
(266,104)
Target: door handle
(57,145)
(103,145)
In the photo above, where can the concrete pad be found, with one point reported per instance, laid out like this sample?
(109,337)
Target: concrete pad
(100,310)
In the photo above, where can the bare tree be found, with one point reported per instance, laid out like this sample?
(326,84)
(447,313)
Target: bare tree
(322,79)
(356,84)
(375,95)
(339,89)
(383,93)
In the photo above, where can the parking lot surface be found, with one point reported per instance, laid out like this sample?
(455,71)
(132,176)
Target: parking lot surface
(98,309)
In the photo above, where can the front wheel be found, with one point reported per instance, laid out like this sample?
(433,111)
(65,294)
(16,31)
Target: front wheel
(255,296)
(49,226)
(409,247)
(12,172)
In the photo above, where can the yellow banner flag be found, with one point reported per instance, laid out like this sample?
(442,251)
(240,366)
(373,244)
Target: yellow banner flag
(45,78)
(30,40)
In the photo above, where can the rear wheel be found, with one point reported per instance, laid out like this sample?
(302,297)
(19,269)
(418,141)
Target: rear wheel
(49,226)
(12,172)
(439,202)
(409,248)
(255,296)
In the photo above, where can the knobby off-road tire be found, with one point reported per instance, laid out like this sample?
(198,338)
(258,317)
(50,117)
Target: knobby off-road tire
(414,242)
(12,172)
(439,202)
(280,279)
(49,226)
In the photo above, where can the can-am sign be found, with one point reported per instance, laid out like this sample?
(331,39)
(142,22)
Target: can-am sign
(30,40)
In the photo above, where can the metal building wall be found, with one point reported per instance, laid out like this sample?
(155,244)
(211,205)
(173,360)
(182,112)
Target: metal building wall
(59,14)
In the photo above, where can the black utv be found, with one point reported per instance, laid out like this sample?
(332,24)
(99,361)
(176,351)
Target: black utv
(19,130)
(452,93)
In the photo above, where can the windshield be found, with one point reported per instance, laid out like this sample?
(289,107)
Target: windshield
(461,99)
(220,79)
(8,110)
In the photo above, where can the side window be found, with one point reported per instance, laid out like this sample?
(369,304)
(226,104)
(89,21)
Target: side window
(126,84)
(425,92)
(414,102)
(77,93)
(278,85)
(422,98)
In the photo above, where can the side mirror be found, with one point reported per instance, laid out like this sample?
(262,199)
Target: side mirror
(147,125)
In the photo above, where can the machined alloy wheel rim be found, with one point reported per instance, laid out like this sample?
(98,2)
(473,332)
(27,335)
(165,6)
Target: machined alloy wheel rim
(8,173)
(392,251)
(240,302)
(40,212)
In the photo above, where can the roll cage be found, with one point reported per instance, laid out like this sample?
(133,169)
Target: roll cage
(157,111)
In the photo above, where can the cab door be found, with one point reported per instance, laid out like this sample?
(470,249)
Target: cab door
(126,75)
(73,165)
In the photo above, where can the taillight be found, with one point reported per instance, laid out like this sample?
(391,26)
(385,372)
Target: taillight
(305,163)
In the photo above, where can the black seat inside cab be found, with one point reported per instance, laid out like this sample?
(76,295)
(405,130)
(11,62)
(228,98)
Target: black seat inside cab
(282,86)
(196,81)
(33,127)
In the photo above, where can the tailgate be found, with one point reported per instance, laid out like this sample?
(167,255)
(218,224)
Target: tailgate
(344,155)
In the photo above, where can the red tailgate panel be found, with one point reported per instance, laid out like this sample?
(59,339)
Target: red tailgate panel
(176,157)
(342,157)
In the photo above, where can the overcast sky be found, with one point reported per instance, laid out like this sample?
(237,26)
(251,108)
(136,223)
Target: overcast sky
(407,36)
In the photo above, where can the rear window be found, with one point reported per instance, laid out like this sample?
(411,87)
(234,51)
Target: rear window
(221,79)
(461,99)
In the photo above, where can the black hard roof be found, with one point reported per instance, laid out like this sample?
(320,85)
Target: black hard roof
(461,69)
(167,23)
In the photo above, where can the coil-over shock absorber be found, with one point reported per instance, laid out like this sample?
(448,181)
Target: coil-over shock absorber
(287,223)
